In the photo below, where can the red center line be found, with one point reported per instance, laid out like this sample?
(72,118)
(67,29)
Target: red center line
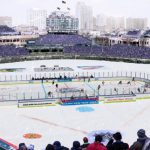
(56,125)
(130,120)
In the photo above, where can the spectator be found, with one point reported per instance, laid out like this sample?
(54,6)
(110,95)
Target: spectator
(143,140)
(136,146)
(49,147)
(57,146)
(97,145)
(22,146)
(31,147)
(85,143)
(118,144)
(76,146)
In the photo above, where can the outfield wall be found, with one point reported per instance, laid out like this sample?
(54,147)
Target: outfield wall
(70,56)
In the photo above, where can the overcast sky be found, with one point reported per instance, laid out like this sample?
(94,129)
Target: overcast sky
(17,9)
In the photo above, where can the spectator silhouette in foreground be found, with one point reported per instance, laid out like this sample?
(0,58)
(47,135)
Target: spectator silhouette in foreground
(22,146)
(76,146)
(97,145)
(118,144)
(85,143)
(136,146)
(49,147)
(31,147)
(142,141)
(57,146)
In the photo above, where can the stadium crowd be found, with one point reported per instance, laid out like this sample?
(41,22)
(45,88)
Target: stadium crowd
(62,39)
(119,51)
(74,44)
(11,50)
(115,142)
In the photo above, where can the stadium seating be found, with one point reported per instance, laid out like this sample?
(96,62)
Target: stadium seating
(62,39)
(121,51)
(126,51)
(133,34)
(78,45)
(11,50)
(147,34)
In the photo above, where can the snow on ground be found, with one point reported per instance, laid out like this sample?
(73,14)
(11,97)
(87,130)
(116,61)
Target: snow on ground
(65,123)
(106,65)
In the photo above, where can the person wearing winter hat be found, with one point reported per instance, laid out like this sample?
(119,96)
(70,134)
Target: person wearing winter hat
(57,146)
(49,147)
(117,144)
(76,146)
(22,146)
(117,136)
(141,133)
(85,143)
(143,142)
(142,136)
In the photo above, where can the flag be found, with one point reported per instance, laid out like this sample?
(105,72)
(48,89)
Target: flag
(64,2)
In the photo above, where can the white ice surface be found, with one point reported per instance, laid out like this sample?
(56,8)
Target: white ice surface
(65,123)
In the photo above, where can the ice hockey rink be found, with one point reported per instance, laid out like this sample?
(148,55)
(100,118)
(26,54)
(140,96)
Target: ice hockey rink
(67,123)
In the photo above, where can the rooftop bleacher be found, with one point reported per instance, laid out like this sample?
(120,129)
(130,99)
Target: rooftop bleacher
(5,30)
(133,34)
(147,34)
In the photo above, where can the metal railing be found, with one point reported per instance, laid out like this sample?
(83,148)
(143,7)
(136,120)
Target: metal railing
(10,84)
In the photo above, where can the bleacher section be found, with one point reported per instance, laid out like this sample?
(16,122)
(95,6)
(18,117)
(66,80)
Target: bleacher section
(120,51)
(62,39)
(125,51)
(74,44)
(11,50)
(133,34)
(147,34)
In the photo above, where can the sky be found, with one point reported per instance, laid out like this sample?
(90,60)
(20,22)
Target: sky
(17,9)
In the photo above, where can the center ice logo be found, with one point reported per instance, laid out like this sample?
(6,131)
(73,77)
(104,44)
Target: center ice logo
(85,109)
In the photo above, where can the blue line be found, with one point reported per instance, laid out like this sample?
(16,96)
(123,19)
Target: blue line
(90,86)
(46,96)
